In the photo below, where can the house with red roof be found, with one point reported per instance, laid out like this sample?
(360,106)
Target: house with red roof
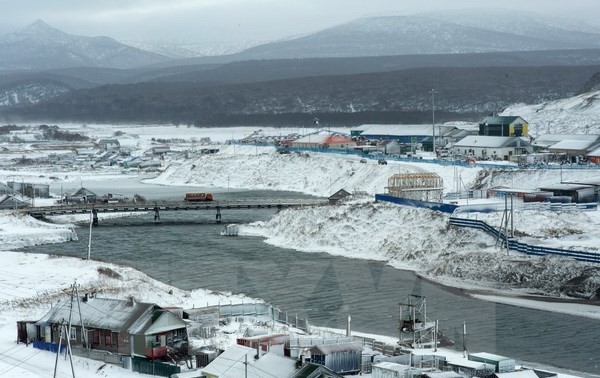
(331,141)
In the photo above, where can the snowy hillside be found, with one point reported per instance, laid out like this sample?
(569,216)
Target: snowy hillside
(30,92)
(421,240)
(575,115)
(39,46)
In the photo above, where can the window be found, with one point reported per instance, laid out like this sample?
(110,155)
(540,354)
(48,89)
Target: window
(108,338)
(73,333)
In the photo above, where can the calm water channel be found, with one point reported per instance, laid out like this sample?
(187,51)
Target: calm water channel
(186,249)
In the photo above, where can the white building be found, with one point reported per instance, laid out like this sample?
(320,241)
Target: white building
(491,148)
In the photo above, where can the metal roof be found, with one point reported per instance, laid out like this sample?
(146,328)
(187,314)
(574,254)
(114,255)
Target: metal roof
(406,130)
(565,187)
(323,139)
(102,313)
(550,139)
(442,374)
(501,120)
(334,348)
(570,144)
(470,364)
(232,364)
(482,141)
(490,356)
(595,152)
(518,374)
(392,366)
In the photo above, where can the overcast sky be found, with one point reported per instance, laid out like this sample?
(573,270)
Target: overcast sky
(241,20)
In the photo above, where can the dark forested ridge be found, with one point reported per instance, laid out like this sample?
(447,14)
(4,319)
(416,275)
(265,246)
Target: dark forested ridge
(397,96)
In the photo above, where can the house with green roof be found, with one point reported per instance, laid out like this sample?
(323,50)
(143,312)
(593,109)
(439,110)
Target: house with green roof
(503,126)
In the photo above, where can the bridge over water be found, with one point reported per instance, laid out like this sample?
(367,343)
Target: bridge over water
(159,206)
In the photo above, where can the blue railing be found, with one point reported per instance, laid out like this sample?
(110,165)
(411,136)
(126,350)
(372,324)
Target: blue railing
(529,249)
(436,206)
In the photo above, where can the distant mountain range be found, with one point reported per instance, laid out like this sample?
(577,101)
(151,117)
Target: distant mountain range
(373,70)
(41,47)
(457,32)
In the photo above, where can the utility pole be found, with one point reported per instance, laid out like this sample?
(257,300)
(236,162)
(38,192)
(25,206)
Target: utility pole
(90,237)
(433,92)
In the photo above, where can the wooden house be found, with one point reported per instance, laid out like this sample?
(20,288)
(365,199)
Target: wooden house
(8,202)
(342,358)
(81,195)
(123,327)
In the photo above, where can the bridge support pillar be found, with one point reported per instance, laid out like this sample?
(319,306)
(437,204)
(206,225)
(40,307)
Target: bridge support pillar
(279,207)
(156,214)
(218,215)
(94,217)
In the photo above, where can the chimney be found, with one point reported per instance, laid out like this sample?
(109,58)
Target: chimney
(131,301)
(348,326)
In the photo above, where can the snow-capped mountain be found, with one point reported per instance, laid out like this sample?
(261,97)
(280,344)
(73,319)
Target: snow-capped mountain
(468,32)
(39,46)
(526,24)
(192,50)
(575,115)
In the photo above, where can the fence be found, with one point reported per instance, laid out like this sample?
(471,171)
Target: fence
(515,245)
(141,365)
(52,347)
(437,206)
(98,355)
(264,309)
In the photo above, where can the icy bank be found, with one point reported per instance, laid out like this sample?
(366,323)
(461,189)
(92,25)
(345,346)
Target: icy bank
(423,241)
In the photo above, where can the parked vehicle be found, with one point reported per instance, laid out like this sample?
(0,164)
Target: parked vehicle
(382,162)
(363,160)
(197,197)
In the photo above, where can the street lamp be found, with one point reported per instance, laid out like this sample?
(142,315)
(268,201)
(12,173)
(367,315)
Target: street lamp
(433,92)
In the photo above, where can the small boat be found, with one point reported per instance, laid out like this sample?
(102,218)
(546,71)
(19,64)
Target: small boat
(230,230)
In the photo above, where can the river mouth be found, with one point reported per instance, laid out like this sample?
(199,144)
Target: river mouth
(185,249)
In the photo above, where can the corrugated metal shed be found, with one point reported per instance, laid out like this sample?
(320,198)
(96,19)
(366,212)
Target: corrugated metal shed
(102,313)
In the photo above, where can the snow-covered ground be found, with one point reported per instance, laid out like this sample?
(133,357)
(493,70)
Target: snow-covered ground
(406,238)
(575,115)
